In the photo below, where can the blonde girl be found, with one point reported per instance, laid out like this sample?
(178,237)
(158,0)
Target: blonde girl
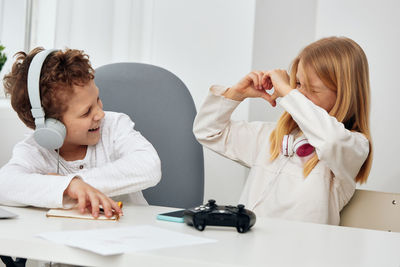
(305,166)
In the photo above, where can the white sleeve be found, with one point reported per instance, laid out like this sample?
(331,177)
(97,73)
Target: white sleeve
(24,180)
(137,166)
(236,140)
(343,151)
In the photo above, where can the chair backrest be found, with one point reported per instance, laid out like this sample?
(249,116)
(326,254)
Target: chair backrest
(163,111)
(372,210)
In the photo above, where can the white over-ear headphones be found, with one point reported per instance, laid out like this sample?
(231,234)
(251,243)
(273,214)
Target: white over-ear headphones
(49,133)
(287,145)
(301,147)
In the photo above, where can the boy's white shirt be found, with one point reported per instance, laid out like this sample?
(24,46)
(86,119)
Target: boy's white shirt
(121,164)
(278,188)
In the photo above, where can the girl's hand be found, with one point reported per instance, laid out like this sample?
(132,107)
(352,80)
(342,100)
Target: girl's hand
(250,86)
(280,80)
(89,196)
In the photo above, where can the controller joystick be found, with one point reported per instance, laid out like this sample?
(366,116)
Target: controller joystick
(212,214)
(211,202)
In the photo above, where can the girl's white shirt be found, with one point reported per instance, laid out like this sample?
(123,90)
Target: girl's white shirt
(278,188)
(120,165)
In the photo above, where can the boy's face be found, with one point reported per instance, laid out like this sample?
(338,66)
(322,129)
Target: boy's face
(83,116)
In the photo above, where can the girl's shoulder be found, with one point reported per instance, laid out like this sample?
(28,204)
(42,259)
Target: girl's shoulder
(360,136)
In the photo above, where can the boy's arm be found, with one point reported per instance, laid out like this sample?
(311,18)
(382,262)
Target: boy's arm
(236,140)
(137,166)
(21,183)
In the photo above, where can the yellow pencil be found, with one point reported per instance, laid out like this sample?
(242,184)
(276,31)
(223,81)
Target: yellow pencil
(120,204)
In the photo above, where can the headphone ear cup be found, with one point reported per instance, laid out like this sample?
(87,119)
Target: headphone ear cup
(290,145)
(287,145)
(52,135)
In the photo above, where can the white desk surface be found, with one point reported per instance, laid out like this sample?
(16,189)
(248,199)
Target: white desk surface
(271,242)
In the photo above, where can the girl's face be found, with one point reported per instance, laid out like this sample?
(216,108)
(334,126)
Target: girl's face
(317,92)
(83,117)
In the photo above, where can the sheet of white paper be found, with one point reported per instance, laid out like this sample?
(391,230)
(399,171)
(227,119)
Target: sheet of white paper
(113,241)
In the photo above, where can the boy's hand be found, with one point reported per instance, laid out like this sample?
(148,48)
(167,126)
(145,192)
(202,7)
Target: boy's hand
(89,196)
(251,86)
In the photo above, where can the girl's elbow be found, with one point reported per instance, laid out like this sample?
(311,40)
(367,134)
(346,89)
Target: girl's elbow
(202,132)
(199,133)
(206,136)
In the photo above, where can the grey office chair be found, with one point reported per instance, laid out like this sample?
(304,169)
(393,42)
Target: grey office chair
(372,210)
(163,111)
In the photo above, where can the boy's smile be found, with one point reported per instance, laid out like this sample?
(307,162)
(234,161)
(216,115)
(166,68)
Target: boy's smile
(94,129)
(82,120)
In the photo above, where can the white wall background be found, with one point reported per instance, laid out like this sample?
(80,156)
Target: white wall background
(219,41)
(12,33)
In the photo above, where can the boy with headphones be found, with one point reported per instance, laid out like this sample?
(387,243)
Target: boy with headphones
(78,153)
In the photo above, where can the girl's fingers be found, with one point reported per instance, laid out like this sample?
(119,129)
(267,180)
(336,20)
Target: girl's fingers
(259,78)
(274,96)
(269,98)
(266,81)
(265,78)
(254,77)
(256,83)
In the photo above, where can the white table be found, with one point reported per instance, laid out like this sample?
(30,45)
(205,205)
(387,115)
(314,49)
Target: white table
(271,242)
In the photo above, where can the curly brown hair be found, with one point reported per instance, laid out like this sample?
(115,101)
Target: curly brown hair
(60,72)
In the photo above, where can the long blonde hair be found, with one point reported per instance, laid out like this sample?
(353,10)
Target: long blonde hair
(342,66)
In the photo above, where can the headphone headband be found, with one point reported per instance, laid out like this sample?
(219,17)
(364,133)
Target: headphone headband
(49,133)
(34,71)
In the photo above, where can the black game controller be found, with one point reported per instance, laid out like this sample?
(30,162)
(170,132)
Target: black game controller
(212,214)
